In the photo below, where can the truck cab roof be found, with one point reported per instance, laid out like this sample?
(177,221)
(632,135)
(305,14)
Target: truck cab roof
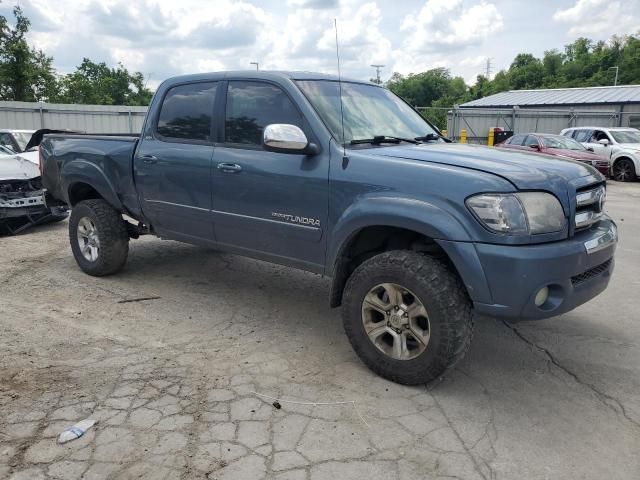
(263,75)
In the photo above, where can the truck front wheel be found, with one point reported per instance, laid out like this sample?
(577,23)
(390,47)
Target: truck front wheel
(99,238)
(407,316)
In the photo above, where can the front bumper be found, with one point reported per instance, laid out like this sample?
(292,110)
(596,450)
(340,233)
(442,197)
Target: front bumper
(574,270)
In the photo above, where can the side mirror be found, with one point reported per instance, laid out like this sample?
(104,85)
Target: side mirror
(534,146)
(286,138)
(604,141)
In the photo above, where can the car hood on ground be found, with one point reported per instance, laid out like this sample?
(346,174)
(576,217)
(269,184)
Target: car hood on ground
(523,170)
(15,167)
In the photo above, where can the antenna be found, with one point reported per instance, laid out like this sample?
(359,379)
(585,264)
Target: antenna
(344,148)
(488,74)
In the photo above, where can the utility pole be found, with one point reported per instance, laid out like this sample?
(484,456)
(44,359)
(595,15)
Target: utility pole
(256,64)
(378,67)
(615,80)
(488,71)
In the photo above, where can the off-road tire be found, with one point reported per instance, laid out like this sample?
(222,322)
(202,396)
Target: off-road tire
(112,234)
(442,293)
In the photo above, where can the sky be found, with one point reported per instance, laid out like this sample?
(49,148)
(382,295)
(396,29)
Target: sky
(161,38)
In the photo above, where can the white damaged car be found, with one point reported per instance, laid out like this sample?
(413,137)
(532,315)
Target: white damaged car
(22,203)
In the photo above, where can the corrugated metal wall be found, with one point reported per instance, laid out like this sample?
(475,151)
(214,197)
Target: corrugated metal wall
(478,121)
(85,118)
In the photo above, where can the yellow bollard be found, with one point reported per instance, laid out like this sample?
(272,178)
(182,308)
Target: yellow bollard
(491,137)
(463,135)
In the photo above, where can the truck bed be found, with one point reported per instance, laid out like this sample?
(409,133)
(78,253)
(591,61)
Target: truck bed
(71,162)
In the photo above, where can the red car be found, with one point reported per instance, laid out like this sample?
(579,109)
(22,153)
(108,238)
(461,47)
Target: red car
(558,146)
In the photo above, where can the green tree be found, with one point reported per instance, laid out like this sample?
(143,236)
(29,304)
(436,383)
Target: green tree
(97,84)
(435,89)
(26,74)
(526,71)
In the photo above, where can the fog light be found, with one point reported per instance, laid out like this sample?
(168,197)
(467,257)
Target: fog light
(541,296)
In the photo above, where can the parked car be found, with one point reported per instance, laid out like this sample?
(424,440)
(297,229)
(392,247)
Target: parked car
(347,180)
(620,145)
(558,146)
(22,202)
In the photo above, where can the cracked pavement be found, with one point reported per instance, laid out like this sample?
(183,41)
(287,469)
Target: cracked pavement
(182,383)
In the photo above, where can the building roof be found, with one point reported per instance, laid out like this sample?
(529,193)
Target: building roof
(561,96)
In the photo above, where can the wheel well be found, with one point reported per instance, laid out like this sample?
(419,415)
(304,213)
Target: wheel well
(82,191)
(371,241)
(624,158)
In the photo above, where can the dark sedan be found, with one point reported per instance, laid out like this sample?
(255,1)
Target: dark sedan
(558,146)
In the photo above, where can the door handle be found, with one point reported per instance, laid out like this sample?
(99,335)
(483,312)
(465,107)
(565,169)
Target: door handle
(148,159)
(229,167)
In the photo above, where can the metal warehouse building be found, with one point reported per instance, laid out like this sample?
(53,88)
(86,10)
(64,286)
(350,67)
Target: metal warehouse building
(547,110)
(87,118)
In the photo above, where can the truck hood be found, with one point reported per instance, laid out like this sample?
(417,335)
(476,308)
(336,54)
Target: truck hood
(523,170)
(14,167)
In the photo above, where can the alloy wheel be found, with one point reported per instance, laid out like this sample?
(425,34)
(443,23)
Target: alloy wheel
(396,321)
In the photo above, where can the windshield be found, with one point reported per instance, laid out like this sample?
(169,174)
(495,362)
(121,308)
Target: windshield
(626,136)
(369,111)
(22,138)
(562,142)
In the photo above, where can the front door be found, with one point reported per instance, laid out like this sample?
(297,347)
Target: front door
(173,163)
(599,148)
(271,205)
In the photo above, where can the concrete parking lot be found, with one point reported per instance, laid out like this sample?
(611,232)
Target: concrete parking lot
(183,383)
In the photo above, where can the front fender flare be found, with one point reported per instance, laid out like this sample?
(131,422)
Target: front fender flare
(415,215)
(401,212)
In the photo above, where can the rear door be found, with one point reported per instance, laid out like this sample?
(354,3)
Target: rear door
(173,163)
(271,205)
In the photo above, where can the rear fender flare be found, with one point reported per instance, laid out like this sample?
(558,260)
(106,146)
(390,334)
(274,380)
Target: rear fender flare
(83,171)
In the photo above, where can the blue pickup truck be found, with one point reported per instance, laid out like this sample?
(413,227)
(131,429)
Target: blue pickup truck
(347,180)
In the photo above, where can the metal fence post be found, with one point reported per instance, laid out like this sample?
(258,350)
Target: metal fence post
(454,130)
(514,118)
(41,114)
(130,122)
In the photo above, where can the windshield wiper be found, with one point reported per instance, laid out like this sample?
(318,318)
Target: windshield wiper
(429,137)
(378,139)
(432,137)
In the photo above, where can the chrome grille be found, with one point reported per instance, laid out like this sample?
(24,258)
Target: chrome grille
(589,206)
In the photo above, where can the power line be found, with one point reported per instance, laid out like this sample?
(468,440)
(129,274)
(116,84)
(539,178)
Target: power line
(378,67)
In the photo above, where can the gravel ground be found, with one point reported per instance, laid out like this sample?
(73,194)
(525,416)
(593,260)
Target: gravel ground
(181,383)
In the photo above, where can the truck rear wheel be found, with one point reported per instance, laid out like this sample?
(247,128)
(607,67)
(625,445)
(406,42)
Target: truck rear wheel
(407,316)
(99,238)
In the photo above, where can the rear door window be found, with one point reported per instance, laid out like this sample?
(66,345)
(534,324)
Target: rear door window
(187,111)
(251,106)
(517,139)
(531,140)
(583,135)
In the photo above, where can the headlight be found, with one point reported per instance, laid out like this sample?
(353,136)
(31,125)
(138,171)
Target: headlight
(518,213)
